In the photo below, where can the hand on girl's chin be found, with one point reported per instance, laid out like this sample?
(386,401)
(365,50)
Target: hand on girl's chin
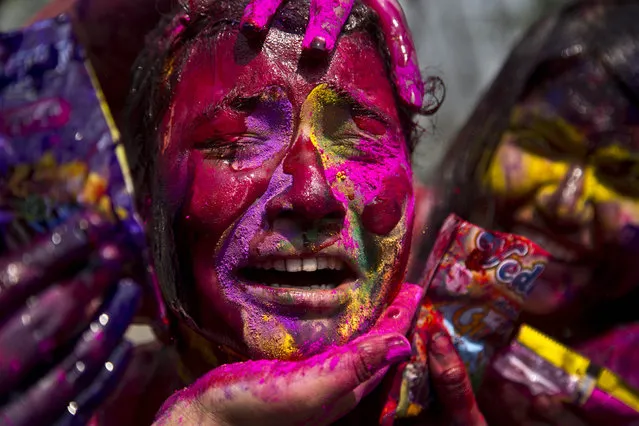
(318,390)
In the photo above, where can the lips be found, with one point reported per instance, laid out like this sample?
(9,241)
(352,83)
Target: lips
(301,283)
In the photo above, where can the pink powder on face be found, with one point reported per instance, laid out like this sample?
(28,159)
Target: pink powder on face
(231,201)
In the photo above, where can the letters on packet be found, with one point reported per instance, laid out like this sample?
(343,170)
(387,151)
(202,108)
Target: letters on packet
(475,283)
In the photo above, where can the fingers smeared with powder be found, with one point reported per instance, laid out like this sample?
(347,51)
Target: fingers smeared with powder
(327,19)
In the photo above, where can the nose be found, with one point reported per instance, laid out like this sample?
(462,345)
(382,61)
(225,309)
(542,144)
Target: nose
(309,198)
(566,203)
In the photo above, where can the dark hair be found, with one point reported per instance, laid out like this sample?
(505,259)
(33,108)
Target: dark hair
(603,31)
(150,96)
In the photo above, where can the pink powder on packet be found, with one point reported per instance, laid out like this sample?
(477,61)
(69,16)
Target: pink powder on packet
(475,283)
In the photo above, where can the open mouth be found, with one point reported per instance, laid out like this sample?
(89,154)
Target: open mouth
(300,273)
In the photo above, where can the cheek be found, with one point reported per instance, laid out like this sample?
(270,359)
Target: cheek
(615,216)
(506,175)
(219,195)
(383,213)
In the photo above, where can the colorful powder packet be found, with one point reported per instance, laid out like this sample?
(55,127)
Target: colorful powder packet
(545,367)
(475,283)
(59,148)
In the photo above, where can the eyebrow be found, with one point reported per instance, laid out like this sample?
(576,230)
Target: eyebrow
(232,101)
(239,102)
(362,109)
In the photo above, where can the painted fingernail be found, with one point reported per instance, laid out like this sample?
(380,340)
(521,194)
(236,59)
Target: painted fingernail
(394,313)
(319,44)
(250,28)
(399,349)
(413,96)
(441,345)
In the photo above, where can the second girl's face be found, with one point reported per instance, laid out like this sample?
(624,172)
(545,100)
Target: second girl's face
(566,175)
(291,185)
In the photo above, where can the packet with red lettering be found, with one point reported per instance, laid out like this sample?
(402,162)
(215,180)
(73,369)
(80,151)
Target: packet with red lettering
(59,148)
(542,366)
(475,283)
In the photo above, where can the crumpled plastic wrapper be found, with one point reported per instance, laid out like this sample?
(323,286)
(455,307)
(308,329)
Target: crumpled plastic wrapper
(59,148)
(475,283)
(544,367)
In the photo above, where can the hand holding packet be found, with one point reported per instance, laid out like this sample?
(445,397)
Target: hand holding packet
(60,152)
(475,282)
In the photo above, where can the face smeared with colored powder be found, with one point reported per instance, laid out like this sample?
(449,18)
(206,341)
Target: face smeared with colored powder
(294,192)
(567,175)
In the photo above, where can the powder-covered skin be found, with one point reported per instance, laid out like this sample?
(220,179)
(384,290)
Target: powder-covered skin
(566,176)
(258,13)
(327,17)
(326,21)
(288,164)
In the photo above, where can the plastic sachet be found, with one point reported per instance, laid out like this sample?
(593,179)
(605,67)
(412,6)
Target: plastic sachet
(545,367)
(475,283)
(59,148)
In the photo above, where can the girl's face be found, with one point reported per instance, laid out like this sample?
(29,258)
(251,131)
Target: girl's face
(566,175)
(290,182)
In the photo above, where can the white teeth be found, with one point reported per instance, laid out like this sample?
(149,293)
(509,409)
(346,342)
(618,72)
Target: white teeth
(279,265)
(331,262)
(293,265)
(309,265)
(322,263)
(312,287)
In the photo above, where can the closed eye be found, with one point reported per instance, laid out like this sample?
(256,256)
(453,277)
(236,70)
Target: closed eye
(240,151)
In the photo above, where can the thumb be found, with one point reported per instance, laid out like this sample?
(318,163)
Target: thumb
(354,370)
(345,368)
(450,380)
(313,391)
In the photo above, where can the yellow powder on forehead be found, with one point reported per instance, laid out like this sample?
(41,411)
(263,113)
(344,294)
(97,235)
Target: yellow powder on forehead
(547,124)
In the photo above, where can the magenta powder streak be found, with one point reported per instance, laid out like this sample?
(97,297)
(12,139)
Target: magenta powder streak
(325,24)
(258,13)
(400,44)
(604,406)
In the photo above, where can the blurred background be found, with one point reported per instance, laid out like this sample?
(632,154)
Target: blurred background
(462,41)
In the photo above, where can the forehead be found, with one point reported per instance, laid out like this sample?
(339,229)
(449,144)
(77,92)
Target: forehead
(230,65)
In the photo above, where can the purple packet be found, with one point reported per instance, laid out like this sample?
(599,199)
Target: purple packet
(59,149)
